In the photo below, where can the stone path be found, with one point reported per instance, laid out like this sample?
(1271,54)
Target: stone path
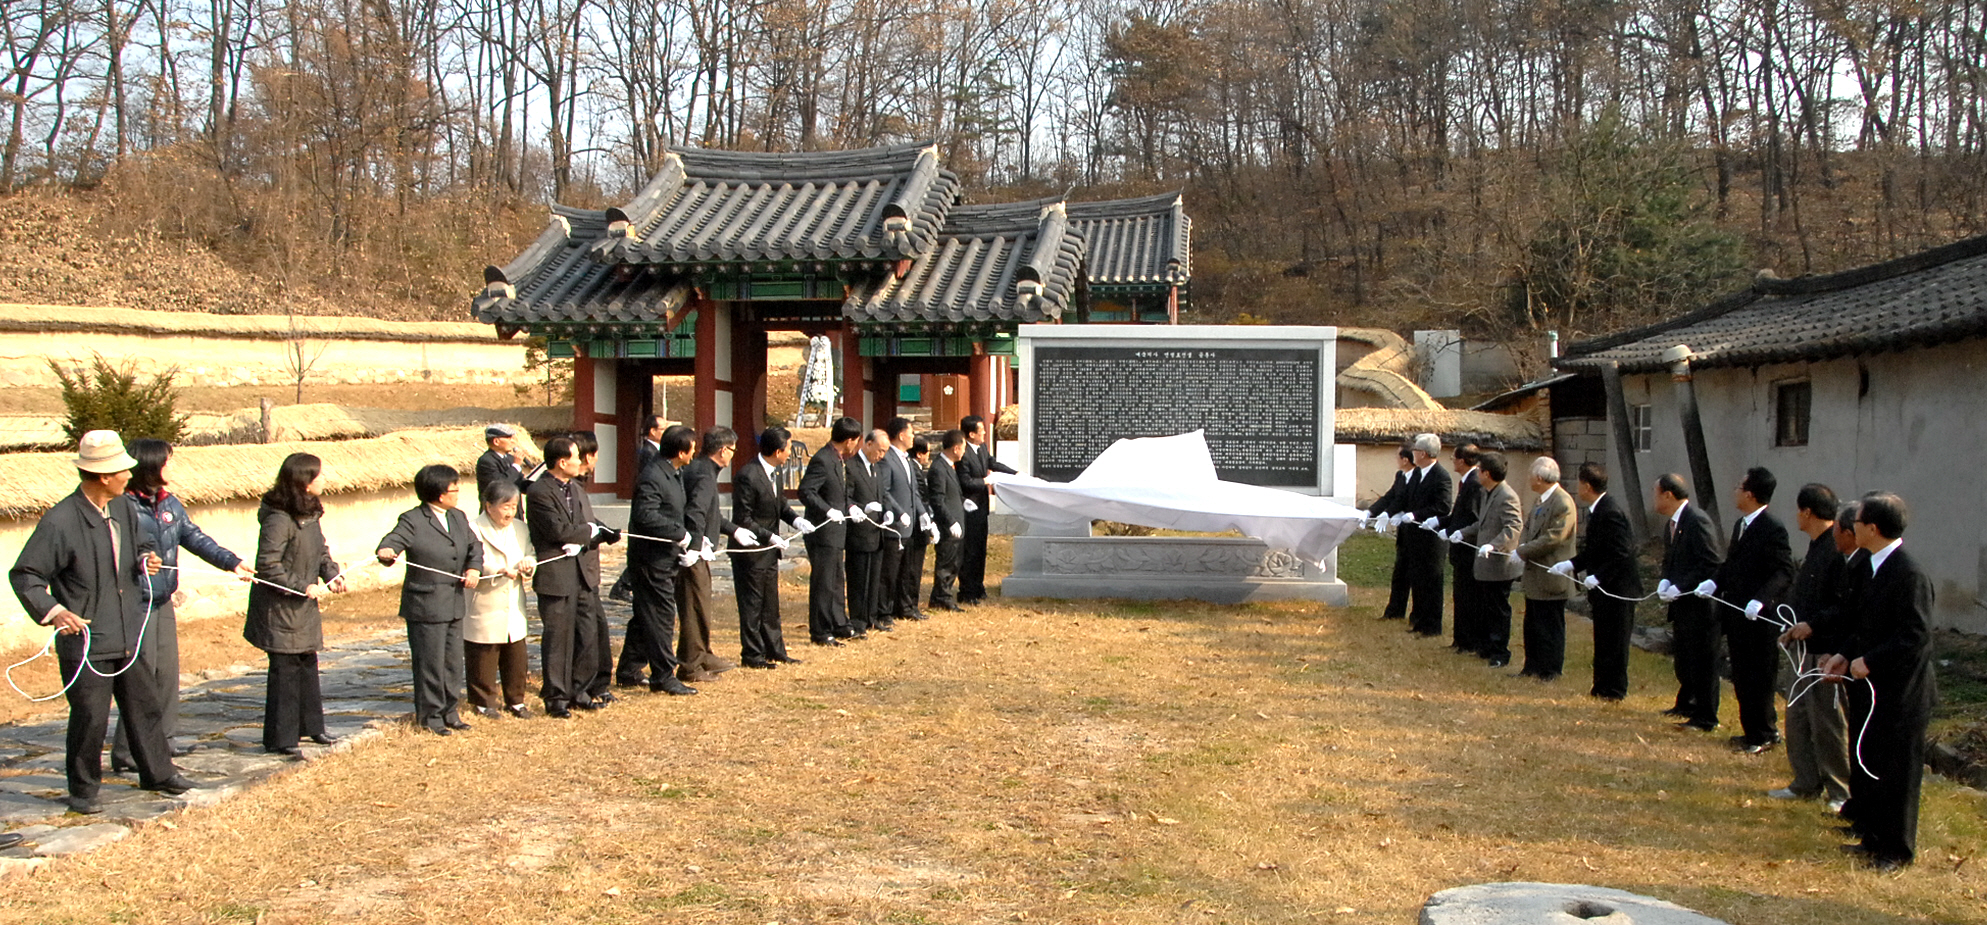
(366,683)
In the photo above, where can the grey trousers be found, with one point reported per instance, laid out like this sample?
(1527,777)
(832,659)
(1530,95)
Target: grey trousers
(1818,740)
(158,658)
(437,653)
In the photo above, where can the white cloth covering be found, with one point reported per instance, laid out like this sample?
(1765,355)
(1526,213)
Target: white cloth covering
(496,605)
(1170,483)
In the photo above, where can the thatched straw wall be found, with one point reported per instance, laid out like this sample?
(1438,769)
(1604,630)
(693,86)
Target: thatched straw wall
(96,319)
(31,483)
(1394,425)
(294,422)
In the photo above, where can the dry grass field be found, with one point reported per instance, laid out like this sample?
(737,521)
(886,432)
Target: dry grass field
(1034,762)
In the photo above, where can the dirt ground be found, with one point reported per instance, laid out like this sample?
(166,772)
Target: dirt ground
(1093,762)
(400,396)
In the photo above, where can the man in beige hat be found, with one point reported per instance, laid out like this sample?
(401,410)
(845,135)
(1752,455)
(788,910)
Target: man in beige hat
(80,573)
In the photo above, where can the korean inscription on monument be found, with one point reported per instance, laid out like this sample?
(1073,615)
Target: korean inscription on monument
(1259,407)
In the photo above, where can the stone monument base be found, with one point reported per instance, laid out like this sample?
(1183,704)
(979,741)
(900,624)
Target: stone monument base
(1222,570)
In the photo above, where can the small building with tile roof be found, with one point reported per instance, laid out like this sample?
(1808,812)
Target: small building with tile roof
(1870,379)
(873,248)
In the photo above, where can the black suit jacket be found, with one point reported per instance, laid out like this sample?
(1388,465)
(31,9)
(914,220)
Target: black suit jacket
(1816,595)
(1395,498)
(426,597)
(701,514)
(1431,498)
(1759,564)
(921,483)
(865,481)
(1464,513)
(824,488)
(496,467)
(1890,630)
(756,503)
(1608,552)
(644,451)
(554,525)
(657,509)
(1692,555)
(947,499)
(973,468)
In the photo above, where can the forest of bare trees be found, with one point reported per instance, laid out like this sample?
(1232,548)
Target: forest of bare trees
(1500,164)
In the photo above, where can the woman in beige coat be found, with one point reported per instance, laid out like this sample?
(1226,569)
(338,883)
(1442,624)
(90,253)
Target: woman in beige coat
(493,634)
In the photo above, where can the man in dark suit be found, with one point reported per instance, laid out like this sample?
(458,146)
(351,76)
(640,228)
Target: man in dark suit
(824,498)
(657,510)
(972,469)
(1757,571)
(1430,495)
(758,507)
(1391,504)
(1462,577)
(901,483)
(645,449)
(708,529)
(565,540)
(871,537)
(1690,558)
(1887,643)
(1817,733)
(1607,555)
(502,462)
(948,514)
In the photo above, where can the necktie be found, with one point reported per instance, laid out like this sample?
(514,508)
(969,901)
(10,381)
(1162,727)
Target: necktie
(1673,530)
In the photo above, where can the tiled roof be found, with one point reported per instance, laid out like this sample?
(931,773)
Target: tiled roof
(1012,261)
(707,206)
(1144,241)
(554,281)
(1936,296)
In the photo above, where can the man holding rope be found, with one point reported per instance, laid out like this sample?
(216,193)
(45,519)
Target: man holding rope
(1817,732)
(1690,559)
(1613,582)
(80,573)
(658,549)
(1756,573)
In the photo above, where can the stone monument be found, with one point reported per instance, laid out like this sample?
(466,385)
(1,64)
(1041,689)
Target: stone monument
(1264,396)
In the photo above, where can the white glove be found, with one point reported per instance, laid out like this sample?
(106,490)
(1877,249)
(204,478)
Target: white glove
(1753,608)
(1667,592)
(836,516)
(1380,526)
(1562,569)
(683,542)
(779,541)
(855,513)
(956,530)
(572,549)
(707,553)
(971,507)
(1365,520)
(1706,589)
(1485,550)
(688,558)
(804,525)
(744,537)
(925,523)
(1396,520)
(904,519)
(931,530)
(874,507)
(1453,536)
(1592,582)
(1407,518)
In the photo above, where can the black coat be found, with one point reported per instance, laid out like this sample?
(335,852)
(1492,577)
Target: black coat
(947,500)
(1890,629)
(702,517)
(1759,564)
(1608,551)
(916,537)
(1431,497)
(823,488)
(757,504)
(493,466)
(973,468)
(290,552)
(68,561)
(554,525)
(657,510)
(1816,595)
(171,530)
(1692,555)
(426,597)
(1464,513)
(1394,499)
(865,485)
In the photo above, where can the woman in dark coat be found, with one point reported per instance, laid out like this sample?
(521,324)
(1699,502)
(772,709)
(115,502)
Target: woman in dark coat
(284,620)
(162,517)
(444,559)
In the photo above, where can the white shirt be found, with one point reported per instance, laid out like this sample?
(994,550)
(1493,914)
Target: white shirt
(1745,523)
(904,459)
(1421,472)
(770,470)
(1877,558)
(1597,502)
(1676,519)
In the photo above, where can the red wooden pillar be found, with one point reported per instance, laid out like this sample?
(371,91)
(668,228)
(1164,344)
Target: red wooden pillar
(712,367)
(748,378)
(857,400)
(633,388)
(984,391)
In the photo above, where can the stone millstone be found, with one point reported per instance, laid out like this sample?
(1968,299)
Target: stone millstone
(1552,904)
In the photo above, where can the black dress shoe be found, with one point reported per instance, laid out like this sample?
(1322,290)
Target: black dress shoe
(441,730)
(1696,726)
(606,698)
(558,711)
(83,806)
(915,616)
(587,705)
(1760,747)
(886,627)
(671,686)
(826,641)
(519,710)
(324,738)
(1677,712)
(9,840)
(122,767)
(787,659)
(458,725)
(758,663)
(290,751)
(624,682)
(175,785)
(181,751)
(1499,662)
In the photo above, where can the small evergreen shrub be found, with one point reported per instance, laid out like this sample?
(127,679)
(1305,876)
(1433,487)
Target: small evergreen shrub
(103,396)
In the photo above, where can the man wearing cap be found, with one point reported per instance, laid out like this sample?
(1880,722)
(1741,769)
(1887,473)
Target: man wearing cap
(80,573)
(502,462)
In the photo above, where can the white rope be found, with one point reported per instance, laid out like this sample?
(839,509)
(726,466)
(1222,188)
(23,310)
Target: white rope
(85,662)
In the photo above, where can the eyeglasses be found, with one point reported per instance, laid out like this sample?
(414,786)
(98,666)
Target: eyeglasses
(452,491)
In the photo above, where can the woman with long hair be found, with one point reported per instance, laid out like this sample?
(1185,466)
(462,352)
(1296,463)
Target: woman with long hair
(493,636)
(444,561)
(283,617)
(161,515)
